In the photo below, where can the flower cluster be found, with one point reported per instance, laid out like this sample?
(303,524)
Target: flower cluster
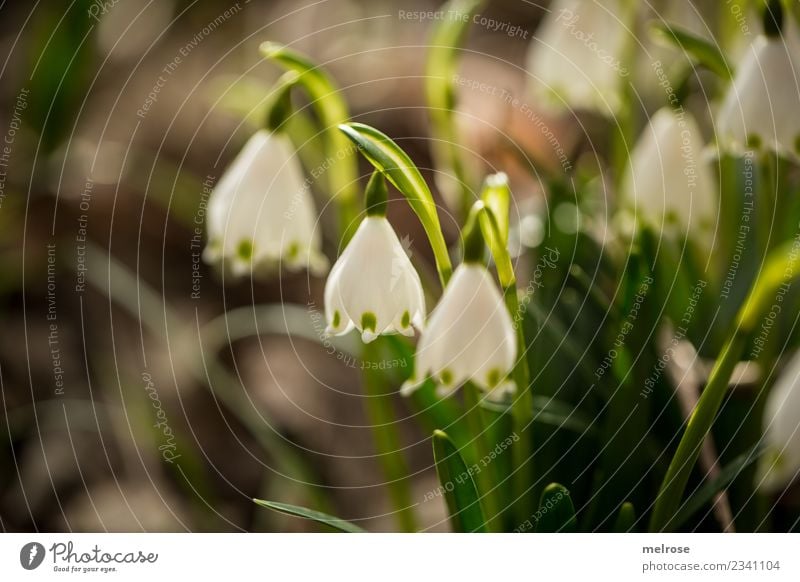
(263,216)
(374,288)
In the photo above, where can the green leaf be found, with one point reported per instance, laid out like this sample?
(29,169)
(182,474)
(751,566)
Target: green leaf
(556,512)
(319,517)
(780,269)
(706,493)
(553,412)
(702,51)
(397,167)
(457,486)
(379,406)
(440,70)
(626,518)
(496,195)
(495,229)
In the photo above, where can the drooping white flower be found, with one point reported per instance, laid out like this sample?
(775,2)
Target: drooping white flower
(760,108)
(780,463)
(261,213)
(668,183)
(373,287)
(469,336)
(576,59)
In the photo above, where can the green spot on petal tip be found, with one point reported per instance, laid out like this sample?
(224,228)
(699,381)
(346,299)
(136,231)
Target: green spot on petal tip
(369,321)
(245,250)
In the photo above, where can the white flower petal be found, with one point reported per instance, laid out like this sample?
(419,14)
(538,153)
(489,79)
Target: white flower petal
(368,336)
(469,335)
(373,286)
(410,386)
(763,102)
(263,205)
(339,323)
(668,182)
(577,54)
(780,463)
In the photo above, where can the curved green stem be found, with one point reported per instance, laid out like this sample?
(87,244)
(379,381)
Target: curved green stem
(332,111)
(387,440)
(397,167)
(779,270)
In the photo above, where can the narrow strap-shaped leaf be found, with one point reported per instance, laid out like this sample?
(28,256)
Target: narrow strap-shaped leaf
(551,411)
(319,517)
(702,51)
(780,268)
(626,518)
(394,163)
(707,492)
(457,486)
(556,511)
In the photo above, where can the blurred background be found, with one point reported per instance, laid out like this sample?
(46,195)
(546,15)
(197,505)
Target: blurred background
(130,402)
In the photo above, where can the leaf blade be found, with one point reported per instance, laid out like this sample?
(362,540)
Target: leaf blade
(460,493)
(556,511)
(387,157)
(706,493)
(626,519)
(323,518)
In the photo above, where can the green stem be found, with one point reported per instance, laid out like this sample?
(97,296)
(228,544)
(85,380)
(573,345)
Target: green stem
(522,419)
(671,492)
(485,478)
(493,228)
(387,440)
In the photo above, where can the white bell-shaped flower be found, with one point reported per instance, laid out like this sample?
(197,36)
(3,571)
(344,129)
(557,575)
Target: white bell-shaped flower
(373,287)
(780,463)
(668,182)
(576,59)
(760,109)
(261,213)
(469,337)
